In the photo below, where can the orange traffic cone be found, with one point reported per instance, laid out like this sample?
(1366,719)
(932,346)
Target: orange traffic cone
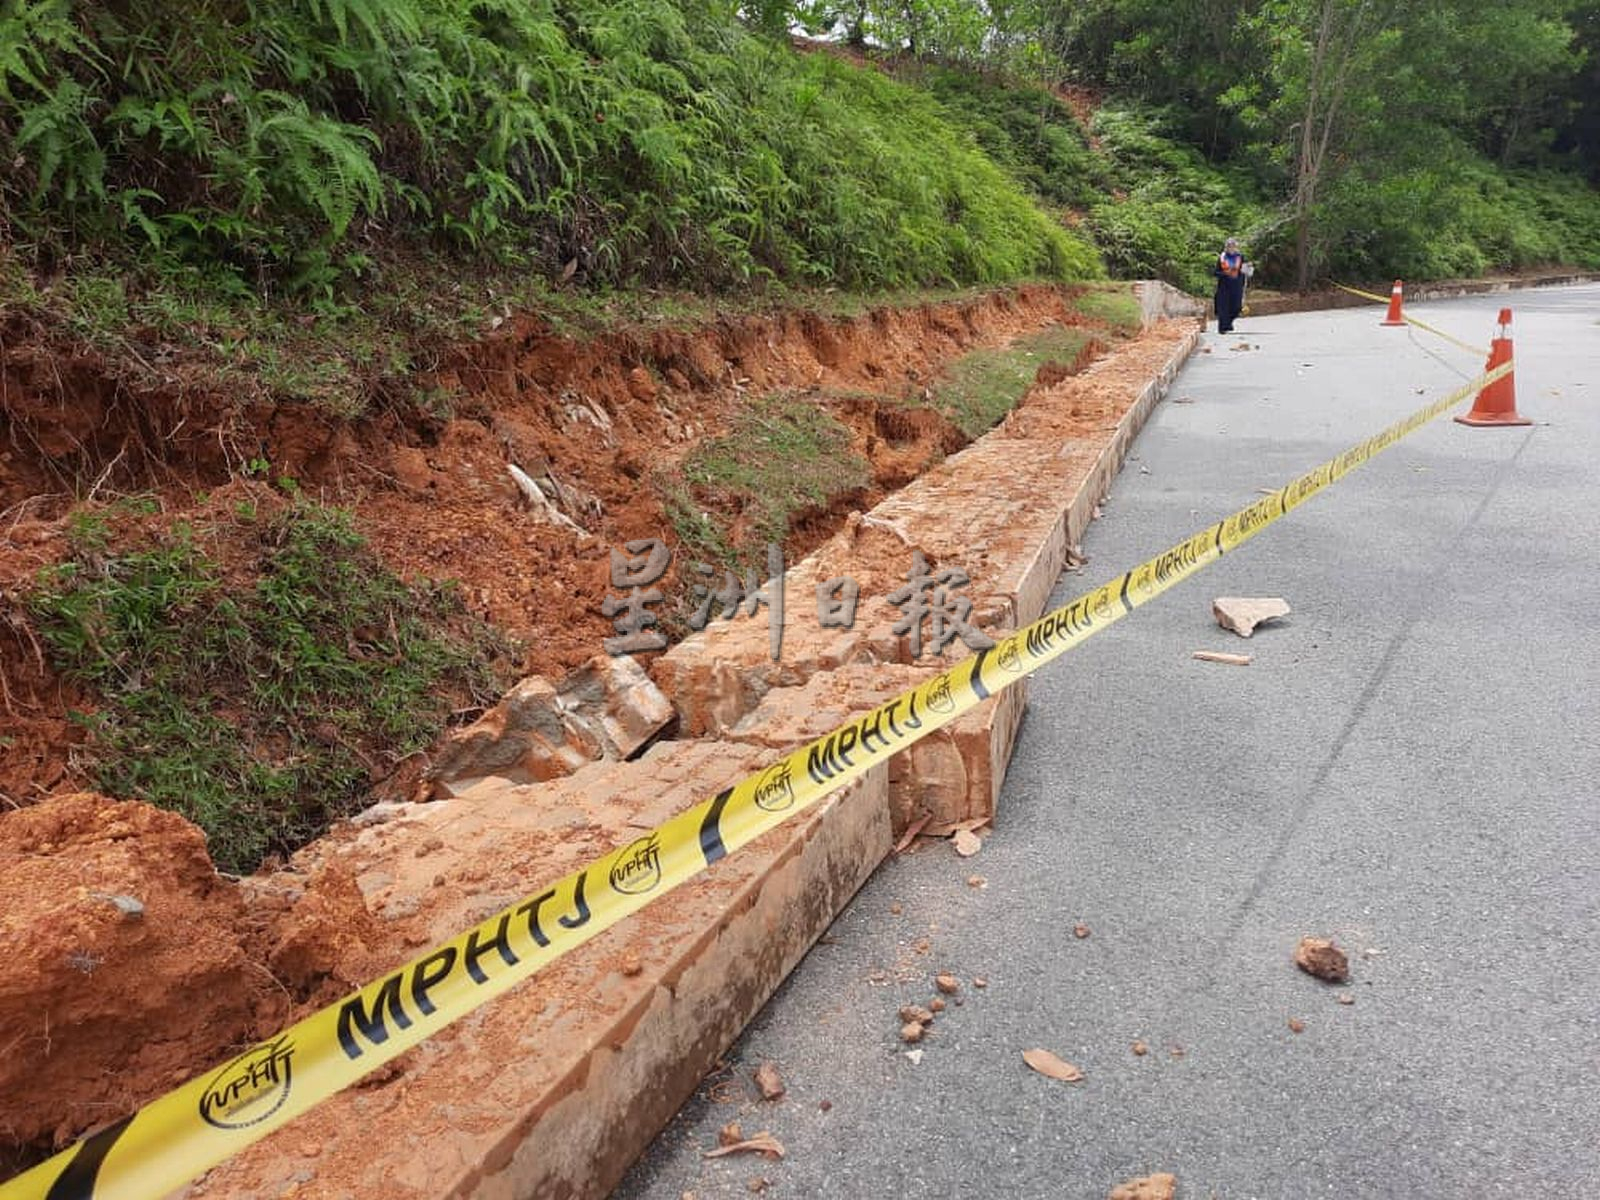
(1497,403)
(1394,317)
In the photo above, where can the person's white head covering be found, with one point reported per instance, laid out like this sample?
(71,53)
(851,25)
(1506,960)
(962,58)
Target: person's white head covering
(1231,244)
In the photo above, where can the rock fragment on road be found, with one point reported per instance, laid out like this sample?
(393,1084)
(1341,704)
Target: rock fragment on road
(947,983)
(769,1081)
(1241,614)
(1320,957)
(757,1143)
(1161,1186)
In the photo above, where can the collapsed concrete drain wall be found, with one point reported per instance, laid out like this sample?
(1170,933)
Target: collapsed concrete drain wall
(553,1089)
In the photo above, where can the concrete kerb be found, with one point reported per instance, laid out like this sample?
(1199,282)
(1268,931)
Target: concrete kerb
(955,777)
(554,1089)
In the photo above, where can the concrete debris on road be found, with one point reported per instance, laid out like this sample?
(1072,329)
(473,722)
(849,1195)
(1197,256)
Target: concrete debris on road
(947,983)
(756,1143)
(769,1082)
(1080,931)
(1296,1025)
(912,830)
(1241,614)
(1161,1186)
(966,842)
(911,1032)
(1051,1065)
(1320,957)
(1217,656)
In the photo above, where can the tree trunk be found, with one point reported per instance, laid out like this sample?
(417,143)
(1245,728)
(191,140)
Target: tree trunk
(1302,251)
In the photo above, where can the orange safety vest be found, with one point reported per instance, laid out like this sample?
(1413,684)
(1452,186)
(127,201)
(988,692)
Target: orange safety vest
(1230,264)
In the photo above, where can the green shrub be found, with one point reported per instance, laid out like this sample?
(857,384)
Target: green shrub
(263,712)
(1173,209)
(634,139)
(1026,130)
(1460,218)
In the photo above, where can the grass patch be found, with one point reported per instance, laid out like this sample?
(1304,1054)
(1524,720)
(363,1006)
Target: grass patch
(782,455)
(1113,305)
(982,387)
(261,712)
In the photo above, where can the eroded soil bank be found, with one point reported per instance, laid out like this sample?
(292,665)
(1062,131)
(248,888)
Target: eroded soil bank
(601,423)
(604,425)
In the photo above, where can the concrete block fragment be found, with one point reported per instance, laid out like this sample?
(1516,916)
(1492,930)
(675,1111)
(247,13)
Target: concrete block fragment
(1241,614)
(607,708)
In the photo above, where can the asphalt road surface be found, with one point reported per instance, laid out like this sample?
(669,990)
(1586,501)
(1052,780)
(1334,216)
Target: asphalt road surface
(1411,765)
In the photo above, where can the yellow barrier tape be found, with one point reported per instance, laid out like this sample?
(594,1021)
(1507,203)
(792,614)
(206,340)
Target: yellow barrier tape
(1409,320)
(208,1120)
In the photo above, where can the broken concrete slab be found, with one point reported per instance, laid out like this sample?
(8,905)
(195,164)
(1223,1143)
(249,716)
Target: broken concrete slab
(608,708)
(616,694)
(1241,614)
(553,1088)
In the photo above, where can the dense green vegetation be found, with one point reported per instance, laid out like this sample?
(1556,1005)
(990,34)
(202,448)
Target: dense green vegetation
(173,165)
(278,143)
(265,711)
(1342,137)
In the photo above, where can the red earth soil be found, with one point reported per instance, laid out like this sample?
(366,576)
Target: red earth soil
(597,422)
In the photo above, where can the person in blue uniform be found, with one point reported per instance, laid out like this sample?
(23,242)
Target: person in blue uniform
(1231,271)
